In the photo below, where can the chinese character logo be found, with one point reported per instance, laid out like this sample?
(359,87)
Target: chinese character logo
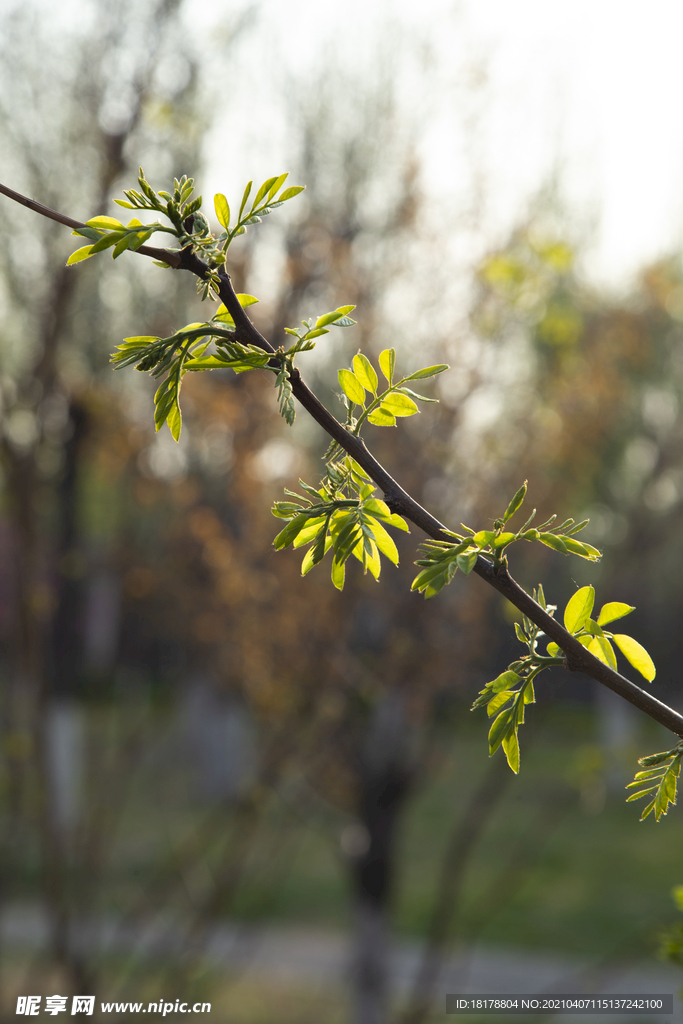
(83,1004)
(55,1005)
(28,1005)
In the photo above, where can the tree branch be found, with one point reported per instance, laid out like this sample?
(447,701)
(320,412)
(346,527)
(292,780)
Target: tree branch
(577,657)
(172,258)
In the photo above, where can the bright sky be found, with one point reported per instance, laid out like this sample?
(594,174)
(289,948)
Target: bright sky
(592,87)
(589,87)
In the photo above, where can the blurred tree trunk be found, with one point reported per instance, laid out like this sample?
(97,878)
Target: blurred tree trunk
(384,778)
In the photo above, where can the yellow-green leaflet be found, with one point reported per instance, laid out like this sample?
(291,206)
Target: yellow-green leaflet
(637,655)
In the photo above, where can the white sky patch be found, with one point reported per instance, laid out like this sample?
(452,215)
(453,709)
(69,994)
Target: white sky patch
(589,88)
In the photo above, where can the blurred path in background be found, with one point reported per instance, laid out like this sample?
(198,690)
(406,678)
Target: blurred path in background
(320,958)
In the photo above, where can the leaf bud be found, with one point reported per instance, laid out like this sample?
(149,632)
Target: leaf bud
(200,224)
(149,361)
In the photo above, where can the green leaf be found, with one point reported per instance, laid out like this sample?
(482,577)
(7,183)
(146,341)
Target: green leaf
(578,609)
(553,542)
(245,197)
(276,186)
(138,239)
(554,651)
(516,502)
(138,341)
(316,553)
(310,531)
(643,792)
(351,387)
(262,192)
(614,610)
(122,245)
(601,648)
(466,561)
(210,363)
(377,507)
(399,405)
(387,362)
(511,748)
(104,223)
(499,701)
(640,777)
(577,547)
(292,530)
(428,371)
(370,558)
(335,317)
(578,526)
(484,538)
(106,241)
(166,403)
(364,371)
(384,541)
(289,193)
(636,654)
(397,522)
(428,575)
(79,255)
(381,418)
(222,208)
(502,540)
(338,573)
(414,394)
(505,681)
(499,730)
(90,233)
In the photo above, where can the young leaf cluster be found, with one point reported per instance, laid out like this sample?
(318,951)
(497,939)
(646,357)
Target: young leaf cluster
(659,777)
(284,395)
(264,202)
(189,226)
(441,559)
(315,327)
(178,207)
(306,337)
(507,696)
(382,407)
(597,640)
(342,515)
(187,350)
